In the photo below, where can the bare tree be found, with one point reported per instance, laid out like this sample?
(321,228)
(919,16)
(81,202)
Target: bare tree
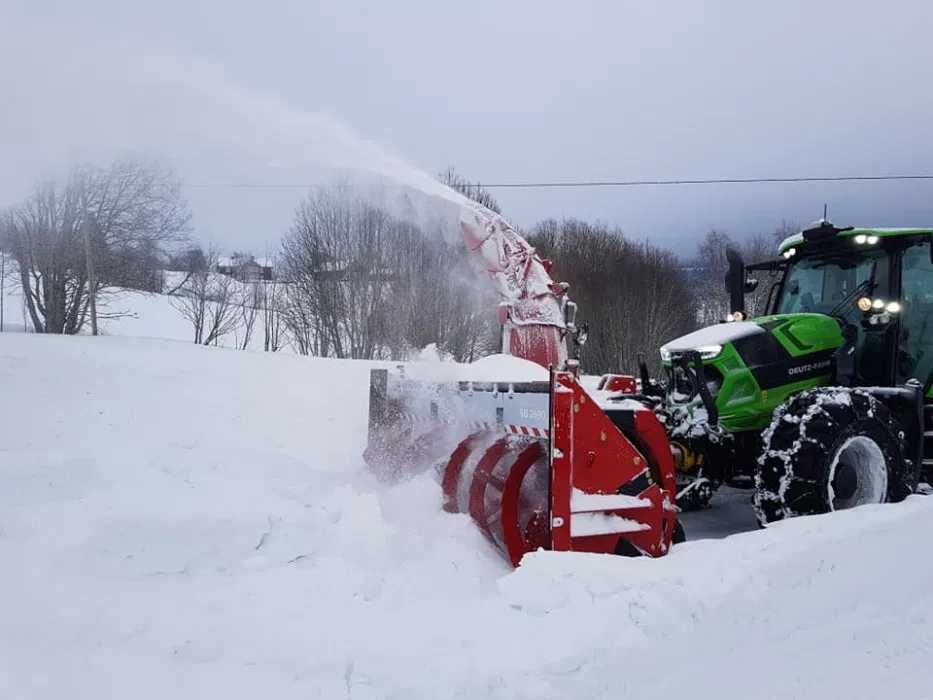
(211,302)
(438,296)
(223,308)
(2,283)
(334,261)
(474,191)
(272,319)
(251,302)
(191,299)
(361,283)
(709,271)
(634,297)
(187,261)
(133,208)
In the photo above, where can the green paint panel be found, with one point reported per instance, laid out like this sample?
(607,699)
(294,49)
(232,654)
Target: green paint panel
(803,334)
(742,403)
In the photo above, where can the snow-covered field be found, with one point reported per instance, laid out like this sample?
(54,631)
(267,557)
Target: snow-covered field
(189,522)
(129,313)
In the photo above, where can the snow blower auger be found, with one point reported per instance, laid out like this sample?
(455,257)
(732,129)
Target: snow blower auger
(536,464)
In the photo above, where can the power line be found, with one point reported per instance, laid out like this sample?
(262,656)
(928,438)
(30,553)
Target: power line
(611,183)
(706,181)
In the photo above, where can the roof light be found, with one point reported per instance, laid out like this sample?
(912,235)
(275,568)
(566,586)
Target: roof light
(864,304)
(861,239)
(893,307)
(871,240)
(790,252)
(877,304)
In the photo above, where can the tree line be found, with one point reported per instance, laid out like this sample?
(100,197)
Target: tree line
(351,280)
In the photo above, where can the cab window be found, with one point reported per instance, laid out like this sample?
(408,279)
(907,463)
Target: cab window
(831,284)
(915,359)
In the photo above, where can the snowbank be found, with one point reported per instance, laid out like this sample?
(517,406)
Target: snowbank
(189,522)
(493,368)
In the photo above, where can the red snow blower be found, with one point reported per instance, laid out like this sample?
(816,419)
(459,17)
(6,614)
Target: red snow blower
(536,464)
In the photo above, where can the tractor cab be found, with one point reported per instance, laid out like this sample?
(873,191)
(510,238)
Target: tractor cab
(877,284)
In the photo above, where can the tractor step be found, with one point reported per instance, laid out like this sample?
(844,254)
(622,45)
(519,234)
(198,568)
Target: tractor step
(926,473)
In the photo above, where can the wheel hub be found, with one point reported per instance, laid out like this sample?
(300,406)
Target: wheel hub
(845,483)
(858,474)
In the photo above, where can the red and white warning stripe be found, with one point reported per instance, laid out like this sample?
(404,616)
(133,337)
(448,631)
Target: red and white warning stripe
(525,430)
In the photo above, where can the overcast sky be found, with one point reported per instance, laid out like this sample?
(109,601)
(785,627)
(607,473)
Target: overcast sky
(273,93)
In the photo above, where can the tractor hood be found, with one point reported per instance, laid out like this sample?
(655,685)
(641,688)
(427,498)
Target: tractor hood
(750,367)
(794,335)
(710,340)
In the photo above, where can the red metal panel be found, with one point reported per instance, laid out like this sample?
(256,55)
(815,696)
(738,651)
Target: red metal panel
(622,383)
(561,459)
(481,479)
(452,471)
(599,459)
(543,345)
(654,438)
(586,452)
(517,543)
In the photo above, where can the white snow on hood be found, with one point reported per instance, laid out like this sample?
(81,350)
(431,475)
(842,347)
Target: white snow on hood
(714,335)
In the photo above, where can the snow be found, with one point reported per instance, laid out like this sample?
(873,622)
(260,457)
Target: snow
(586,524)
(492,368)
(581,502)
(612,401)
(188,522)
(718,334)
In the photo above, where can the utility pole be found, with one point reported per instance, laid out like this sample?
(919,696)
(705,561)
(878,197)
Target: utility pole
(91,277)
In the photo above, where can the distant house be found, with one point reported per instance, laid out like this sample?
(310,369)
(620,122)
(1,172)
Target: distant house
(246,268)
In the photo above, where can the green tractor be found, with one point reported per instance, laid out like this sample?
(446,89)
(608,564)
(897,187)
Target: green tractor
(823,403)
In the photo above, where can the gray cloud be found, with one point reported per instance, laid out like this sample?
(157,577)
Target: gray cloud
(504,91)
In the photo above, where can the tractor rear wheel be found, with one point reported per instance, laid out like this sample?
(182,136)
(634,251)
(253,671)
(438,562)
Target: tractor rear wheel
(829,449)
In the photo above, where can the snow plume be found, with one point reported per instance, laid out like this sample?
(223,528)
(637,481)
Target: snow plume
(218,133)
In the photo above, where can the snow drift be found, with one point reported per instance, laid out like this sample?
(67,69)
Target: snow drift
(186,522)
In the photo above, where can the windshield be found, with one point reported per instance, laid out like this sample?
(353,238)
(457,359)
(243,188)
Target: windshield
(827,284)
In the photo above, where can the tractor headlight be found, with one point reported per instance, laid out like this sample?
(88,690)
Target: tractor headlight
(708,352)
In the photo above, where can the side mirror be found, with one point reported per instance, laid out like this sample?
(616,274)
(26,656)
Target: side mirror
(735,281)
(570,314)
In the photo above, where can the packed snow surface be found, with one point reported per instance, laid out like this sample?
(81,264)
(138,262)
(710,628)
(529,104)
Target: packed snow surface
(189,522)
